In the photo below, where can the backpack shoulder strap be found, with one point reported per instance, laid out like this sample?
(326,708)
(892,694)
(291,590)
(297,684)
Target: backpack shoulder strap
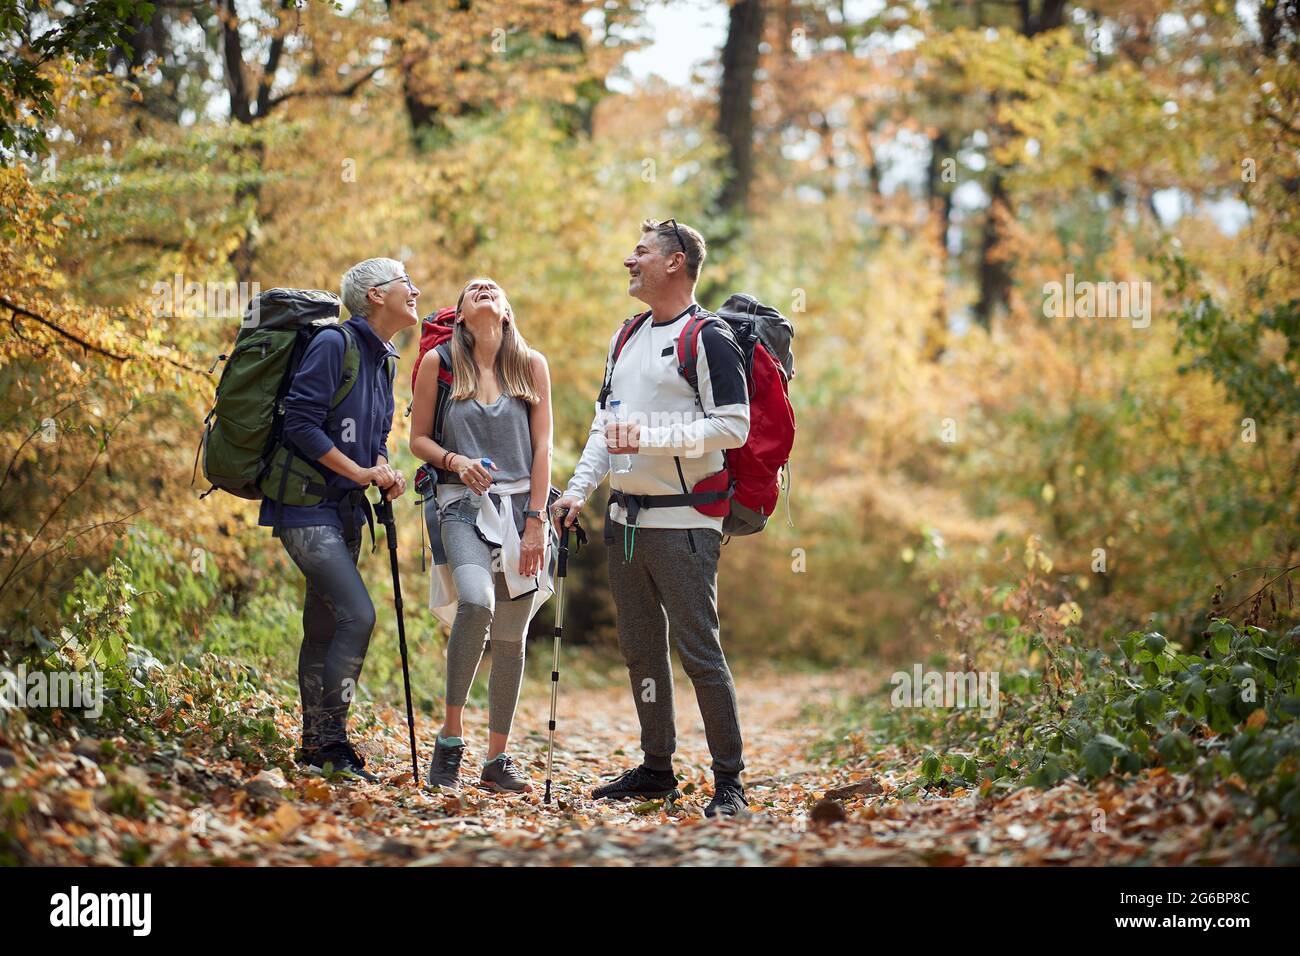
(626,332)
(443,351)
(444,360)
(351,366)
(390,363)
(688,346)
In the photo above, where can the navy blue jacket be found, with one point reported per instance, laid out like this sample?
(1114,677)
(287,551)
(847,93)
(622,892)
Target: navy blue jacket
(358,427)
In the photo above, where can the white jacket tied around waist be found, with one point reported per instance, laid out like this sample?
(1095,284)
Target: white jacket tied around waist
(497,526)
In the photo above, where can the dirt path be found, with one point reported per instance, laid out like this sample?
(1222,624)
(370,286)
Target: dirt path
(199,811)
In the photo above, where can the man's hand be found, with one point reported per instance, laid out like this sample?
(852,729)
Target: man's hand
(623,438)
(566,510)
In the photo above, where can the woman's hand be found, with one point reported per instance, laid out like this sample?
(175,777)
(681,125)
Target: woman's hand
(472,474)
(397,488)
(383,475)
(532,548)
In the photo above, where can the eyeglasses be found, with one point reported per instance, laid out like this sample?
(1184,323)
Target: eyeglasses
(676,233)
(404,278)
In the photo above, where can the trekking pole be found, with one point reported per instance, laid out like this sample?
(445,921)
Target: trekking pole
(384,511)
(561,571)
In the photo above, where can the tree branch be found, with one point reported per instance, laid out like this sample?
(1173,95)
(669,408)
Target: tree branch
(18,560)
(18,451)
(233,59)
(90,346)
(272,65)
(344,91)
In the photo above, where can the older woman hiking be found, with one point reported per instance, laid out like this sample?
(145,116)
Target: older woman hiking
(349,445)
(488,518)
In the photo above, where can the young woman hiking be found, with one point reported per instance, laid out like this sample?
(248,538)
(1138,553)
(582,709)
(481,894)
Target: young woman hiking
(488,518)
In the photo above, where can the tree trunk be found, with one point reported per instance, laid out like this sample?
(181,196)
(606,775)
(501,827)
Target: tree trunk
(994,276)
(939,196)
(736,102)
(247,194)
(1049,16)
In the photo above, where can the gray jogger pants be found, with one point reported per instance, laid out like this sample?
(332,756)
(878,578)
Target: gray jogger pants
(665,594)
(337,618)
(484,611)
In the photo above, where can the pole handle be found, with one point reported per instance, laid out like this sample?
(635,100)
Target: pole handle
(563,565)
(384,512)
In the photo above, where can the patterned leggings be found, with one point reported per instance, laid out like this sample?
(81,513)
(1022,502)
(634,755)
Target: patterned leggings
(485,610)
(337,618)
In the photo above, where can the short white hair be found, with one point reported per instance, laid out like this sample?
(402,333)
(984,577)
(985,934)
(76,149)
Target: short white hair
(364,276)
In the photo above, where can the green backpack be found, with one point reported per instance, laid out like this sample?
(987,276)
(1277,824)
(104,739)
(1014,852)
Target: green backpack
(243,448)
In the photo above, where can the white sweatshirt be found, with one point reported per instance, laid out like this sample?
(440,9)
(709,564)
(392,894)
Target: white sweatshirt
(673,424)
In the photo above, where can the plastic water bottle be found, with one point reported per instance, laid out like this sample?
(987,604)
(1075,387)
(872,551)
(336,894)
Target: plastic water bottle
(620,464)
(475,499)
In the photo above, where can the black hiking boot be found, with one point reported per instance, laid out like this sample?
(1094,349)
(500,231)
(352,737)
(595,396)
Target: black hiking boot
(309,745)
(342,758)
(640,782)
(728,801)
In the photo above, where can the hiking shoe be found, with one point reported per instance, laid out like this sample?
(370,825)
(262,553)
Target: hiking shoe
(640,782)
(444,765)
(728,801)
(503,775)
(342,758)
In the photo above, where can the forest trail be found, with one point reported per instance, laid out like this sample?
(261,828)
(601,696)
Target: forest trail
(201,811)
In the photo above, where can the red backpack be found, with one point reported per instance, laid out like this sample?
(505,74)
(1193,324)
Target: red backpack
(745,492)
(434,330)
(435,333)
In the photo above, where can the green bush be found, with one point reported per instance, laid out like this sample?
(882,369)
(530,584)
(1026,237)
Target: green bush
(225,706)
(1228,713)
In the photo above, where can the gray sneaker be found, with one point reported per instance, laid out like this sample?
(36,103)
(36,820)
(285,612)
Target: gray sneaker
(444,765)
(502,775)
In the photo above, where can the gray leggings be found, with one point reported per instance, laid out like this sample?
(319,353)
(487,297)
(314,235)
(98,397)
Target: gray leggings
(337,618)
(484,611)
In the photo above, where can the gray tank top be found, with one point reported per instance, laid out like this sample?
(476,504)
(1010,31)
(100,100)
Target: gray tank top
(498,431)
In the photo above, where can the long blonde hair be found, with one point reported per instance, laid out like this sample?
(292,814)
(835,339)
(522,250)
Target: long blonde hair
(513,366)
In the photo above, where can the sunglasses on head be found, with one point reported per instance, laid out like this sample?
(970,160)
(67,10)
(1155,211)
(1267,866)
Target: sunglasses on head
(676,232)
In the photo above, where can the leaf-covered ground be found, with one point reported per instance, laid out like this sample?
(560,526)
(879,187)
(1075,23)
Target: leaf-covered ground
(112,804)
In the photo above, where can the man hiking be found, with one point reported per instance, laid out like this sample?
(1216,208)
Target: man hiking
(663,553)
(350,445)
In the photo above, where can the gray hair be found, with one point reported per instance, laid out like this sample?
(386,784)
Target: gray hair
(364,276)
